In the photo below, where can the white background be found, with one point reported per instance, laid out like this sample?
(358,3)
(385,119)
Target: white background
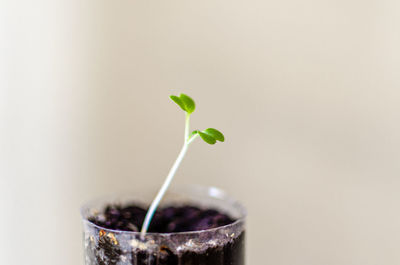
(306,92)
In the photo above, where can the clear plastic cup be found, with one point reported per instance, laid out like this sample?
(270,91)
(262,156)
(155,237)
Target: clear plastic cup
(224,245)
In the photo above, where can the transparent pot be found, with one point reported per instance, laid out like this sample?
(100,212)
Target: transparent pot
(224,245)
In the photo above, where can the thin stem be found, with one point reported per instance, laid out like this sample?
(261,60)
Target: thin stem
(187,121)
(167,181)
(192,139)
(162,191)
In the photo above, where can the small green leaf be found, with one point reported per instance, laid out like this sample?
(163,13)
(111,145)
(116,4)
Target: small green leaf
(217,135)
(207,138)
(188,102)
(178,101)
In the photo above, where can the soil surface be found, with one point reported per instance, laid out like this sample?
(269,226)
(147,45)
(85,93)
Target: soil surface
(165,220)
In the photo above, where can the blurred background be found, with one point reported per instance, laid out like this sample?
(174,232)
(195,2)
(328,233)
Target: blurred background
(306,92)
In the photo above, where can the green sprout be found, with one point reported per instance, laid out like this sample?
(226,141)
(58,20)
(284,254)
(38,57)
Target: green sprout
(210,136)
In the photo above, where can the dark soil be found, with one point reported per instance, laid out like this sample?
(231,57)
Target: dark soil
(165,220)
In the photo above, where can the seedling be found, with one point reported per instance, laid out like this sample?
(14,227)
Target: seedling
(210,136)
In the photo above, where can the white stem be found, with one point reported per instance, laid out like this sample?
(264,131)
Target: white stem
(167,181)
(192,139)
(187,120)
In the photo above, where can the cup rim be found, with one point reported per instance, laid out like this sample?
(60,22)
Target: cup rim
(215,192)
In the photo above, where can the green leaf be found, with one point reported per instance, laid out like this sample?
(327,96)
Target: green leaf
(217,135)
(178,101)
(190,106)
(207,138)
